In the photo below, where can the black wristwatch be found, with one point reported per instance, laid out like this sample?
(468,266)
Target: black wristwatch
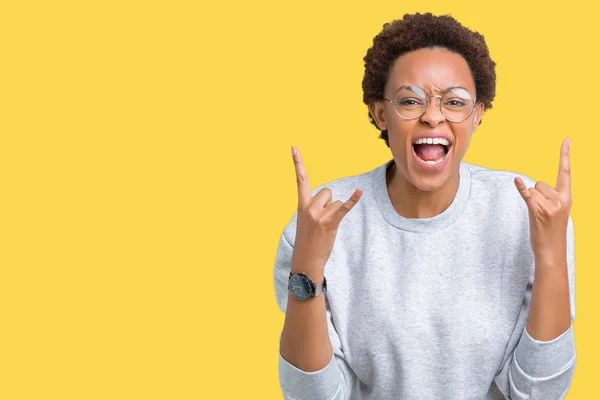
(302,287)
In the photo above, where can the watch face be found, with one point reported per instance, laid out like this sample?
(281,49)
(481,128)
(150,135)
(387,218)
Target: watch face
(300,287)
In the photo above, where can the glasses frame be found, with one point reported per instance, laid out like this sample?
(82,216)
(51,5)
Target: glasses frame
(427,102)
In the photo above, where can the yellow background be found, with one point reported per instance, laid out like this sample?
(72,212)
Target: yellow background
(146,175)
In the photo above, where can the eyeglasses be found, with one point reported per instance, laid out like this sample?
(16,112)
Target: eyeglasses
(411,102)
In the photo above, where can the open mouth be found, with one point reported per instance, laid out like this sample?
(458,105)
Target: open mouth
(432,151)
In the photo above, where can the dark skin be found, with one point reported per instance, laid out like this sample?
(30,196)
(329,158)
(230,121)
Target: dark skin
(416,193)
(549,208)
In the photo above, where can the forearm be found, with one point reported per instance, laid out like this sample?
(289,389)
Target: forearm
(305,340)
(543,362)
(550,313)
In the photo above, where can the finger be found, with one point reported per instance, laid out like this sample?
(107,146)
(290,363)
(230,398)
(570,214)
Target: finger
(332,208)
(538,201)
(525,194)
(547,191)
(340,212)
(563,181)
(304,192)
(323,198)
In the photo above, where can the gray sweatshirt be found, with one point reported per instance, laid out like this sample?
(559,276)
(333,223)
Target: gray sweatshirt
(431,308)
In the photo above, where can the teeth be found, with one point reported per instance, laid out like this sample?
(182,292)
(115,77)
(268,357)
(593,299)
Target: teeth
(441,141)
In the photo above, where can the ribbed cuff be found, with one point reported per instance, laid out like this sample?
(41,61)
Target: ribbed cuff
(540,359)
(321,384)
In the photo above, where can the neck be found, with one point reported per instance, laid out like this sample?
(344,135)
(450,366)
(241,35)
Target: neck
(410,202)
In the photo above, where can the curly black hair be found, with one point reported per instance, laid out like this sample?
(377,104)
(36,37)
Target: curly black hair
(417,31)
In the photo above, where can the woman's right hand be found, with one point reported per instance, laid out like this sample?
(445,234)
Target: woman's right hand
(317,223)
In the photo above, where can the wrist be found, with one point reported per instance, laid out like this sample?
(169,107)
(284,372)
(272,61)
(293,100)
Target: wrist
(315,276)
(315,273)
(304,287)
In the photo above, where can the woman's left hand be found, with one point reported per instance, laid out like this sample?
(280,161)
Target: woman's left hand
(549,211)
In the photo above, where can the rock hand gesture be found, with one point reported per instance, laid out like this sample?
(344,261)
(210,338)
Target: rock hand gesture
(317,224)
(550,313)
(549,210)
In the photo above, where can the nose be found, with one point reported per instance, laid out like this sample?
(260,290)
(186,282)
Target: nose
(433,115)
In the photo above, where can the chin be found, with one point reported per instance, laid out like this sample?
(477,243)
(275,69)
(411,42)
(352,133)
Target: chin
(429,184)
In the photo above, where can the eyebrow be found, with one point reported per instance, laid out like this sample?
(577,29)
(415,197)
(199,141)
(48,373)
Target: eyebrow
(443,90)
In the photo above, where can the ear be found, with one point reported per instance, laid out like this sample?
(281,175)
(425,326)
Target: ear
(479,110)
(377,112)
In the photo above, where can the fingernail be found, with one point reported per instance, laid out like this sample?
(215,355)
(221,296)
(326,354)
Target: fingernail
(569,143)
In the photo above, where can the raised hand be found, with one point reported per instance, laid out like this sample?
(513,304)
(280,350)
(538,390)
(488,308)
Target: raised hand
(317,224)
(549,210)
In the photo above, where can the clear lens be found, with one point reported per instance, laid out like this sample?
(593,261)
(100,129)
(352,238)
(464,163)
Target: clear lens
(456,105)
(410,102)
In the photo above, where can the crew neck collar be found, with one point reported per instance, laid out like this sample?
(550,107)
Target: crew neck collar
(445,218)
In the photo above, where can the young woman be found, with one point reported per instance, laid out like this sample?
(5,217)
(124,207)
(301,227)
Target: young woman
(416,280)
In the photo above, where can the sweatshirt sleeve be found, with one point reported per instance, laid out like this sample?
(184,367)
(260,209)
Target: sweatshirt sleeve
(541,369)
(334,381)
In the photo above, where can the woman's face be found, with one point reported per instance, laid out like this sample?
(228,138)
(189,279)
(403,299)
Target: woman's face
(434,70)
